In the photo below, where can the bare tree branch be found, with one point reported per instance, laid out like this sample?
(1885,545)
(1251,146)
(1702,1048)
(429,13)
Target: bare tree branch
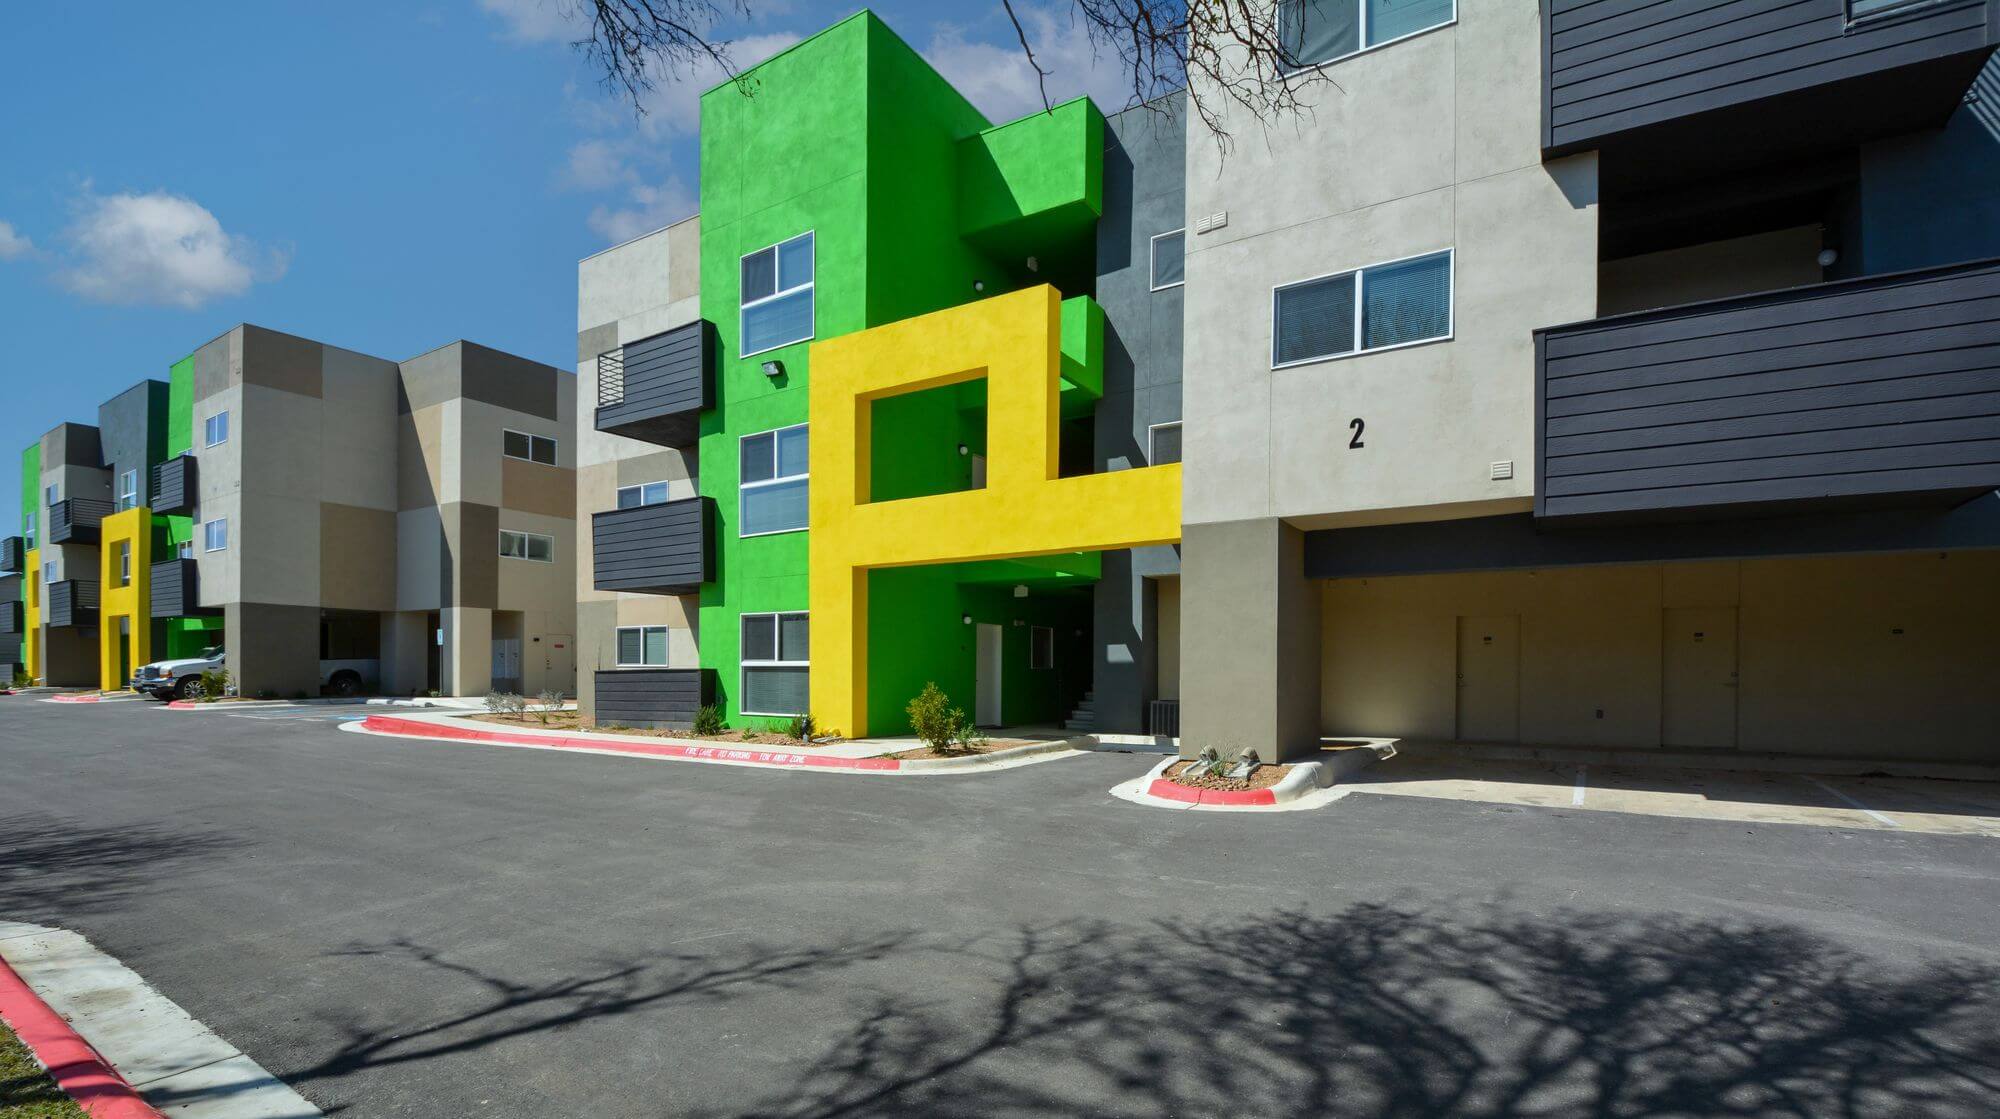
(640,43)
(1041,75)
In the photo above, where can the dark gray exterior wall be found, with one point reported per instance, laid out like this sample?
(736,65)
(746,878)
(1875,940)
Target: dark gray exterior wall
(1930,197)
(1615,66)
(653,697)
(132,427)
(272,648)
(1885,388)
(1145,193)
(478,373)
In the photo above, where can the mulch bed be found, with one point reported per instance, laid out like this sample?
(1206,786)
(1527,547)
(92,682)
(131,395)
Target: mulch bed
(570,720)
(1263,777)
(926,753)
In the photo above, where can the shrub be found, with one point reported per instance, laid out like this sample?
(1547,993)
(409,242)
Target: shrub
(494,704)
(802,729)
(21,679)
(214,683)
(941,726)
(552,701)
(708,720)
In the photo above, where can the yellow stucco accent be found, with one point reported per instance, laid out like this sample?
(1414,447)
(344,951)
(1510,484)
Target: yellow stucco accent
(128,599)
(31,615)
(1025,509)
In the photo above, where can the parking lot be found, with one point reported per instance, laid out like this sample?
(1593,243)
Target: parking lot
(412,928)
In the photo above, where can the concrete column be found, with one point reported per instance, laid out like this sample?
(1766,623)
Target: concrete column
(465,665)
(1250,640)
(405,635)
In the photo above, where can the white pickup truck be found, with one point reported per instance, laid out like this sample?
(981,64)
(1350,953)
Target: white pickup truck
(176,679)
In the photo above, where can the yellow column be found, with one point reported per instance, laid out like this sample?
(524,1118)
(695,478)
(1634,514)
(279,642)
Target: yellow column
(129,598)
(31,611)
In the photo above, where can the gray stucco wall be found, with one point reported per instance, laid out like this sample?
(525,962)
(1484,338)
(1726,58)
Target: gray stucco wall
(132,427)
(1145,194)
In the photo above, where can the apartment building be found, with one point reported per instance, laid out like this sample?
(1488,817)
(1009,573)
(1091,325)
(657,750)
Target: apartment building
(1603,373)
(333,520)
(896,409)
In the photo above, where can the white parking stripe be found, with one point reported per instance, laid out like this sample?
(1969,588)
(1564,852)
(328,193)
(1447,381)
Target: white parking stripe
(1576,794)
(1870,812)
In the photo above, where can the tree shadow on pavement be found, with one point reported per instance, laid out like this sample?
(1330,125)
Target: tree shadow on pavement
(52,869)
(1383,1011)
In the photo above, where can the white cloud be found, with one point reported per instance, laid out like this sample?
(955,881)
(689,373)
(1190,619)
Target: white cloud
(597,164)
(536,21)
(13,246)
(159,248)
(674,108)
(647,207)
(996,77)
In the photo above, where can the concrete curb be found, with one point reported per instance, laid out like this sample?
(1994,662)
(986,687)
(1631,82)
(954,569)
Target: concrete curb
(143,1056)
(77,1069)
(449,728)
(1308,785)
(89,697)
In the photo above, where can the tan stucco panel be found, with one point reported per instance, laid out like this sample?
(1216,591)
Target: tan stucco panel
(420,454)
(534,487)
(357,557)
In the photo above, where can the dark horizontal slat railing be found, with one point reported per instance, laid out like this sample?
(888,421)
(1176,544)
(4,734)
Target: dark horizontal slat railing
(13,555)
(652,697)
(656,388)
(174,485)
(654,549)
(76,519)
(72,602)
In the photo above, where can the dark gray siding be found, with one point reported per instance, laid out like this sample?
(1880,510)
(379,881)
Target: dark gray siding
(75,520)
(1928,197)
(175,485)
(1145,193)
(664,384)
(1617,66)
(12,617)
(653,697)
(657,549)
(13,555)
(132,428)
(1863,391)
(176,589)
(72,602)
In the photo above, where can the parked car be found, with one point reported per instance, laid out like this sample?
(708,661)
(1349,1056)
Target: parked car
(348,677)
(177,679)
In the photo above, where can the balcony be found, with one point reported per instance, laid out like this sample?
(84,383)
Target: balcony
(75,520)
(1880,392)
(11,619)
(653,549)
(655,389)
(13,556)
(174,486)
(175,590)
(1690,89)
(72,602)
(654,697)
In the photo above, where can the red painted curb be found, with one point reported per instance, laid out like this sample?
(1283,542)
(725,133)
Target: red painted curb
(1170,790)
(75,1067)
(75,698)
(390,724)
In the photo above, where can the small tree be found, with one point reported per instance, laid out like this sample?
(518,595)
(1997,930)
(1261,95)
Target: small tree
(941,726)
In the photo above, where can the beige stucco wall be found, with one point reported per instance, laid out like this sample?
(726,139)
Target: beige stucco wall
(1425,144)
(1822,667)
(1713,270)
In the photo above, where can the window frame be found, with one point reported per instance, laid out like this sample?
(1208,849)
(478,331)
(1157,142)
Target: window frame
(208,426)
(777,646)
(1361,36)
(1360,275)
(51,570)
(52,494)
(555,447)
(1153,260)
(124,563)
(28,527)
(1152,458)
(643,503)
(526,537)
(773,480)
(132,494)
(1895,8)
(812,328)
(666,649)
(208,537)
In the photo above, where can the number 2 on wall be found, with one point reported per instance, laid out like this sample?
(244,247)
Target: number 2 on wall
(1355,443)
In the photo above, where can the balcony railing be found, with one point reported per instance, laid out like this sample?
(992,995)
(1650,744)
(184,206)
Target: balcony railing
(653,697)
(1876,392)
(11,623)
(653,549)
(72,602)
(656,388)
(174,486)
(13,556)
(176,589)
(75,520)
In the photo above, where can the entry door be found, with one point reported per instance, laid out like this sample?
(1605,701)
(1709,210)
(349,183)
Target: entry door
(1489,678)
(124,652)
(987,708)
(1698,686)
(560,662)
(507,663)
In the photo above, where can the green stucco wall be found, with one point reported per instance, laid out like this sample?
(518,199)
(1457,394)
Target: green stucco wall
(31,491)
(181,637)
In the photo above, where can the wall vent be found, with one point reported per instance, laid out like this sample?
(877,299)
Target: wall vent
(1501,471)
(1211,222)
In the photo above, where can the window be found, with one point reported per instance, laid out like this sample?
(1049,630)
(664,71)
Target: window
(642,646)
(215,535)
(532,448)
(527,546)
(184,549)
(652,493)
(49,572)
(1169,260)
(52,494)
(1394,304)
(772,490)
(1316,31)
(777,296)
(775,664)
(216,429)
(128,490)
(28,530)
(1041,647)
(1165,440)
(124,563)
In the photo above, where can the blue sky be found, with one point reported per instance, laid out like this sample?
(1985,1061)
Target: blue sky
(384,176)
